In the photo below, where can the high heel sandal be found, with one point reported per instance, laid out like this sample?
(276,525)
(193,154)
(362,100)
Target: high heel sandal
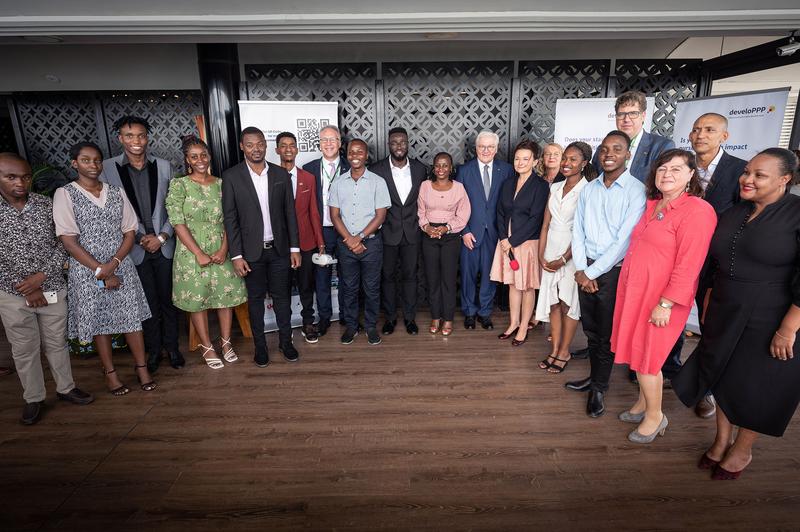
(230,355)
(447,331)
(517,343)
(544,364)
(434,326)
(146,386)
(121,390)
(554,369)
(213,362)
(506,336)
(706,462)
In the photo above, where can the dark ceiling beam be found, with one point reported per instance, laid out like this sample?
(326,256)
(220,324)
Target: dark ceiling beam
(761,57)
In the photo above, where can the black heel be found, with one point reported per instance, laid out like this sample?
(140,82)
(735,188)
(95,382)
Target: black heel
(146,386)
(122,390)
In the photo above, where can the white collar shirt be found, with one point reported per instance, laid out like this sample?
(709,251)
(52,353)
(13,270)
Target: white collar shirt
(706,174)
(481,164)
(327,178)
(402,179)
(293,175)
(635,141)
(261,184)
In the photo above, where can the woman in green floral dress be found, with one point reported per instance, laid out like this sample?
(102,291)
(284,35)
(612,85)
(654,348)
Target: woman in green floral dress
(202,273)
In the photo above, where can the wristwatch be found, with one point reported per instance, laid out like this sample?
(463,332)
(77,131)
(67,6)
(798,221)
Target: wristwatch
(361,235)
(665,305)
(161,239)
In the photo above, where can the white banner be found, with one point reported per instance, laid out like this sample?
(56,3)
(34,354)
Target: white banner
(589,120)
(304,119)
(754,119)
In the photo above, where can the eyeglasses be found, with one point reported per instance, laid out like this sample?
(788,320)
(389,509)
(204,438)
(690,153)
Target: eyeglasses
(328,140)
(487,148)
(633,115)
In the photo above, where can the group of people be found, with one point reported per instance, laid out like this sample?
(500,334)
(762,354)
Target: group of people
(617,240)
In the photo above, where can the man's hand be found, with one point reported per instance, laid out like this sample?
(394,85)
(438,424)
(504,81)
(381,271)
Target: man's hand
(240,267)
(359,249)
(587,285)
(352,243)
(31,284)
(36,299)
(295,259)
(150,243)
(469,241)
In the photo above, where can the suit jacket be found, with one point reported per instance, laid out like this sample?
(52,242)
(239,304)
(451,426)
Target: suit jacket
(483,217)
(650,147)
(309,223)
(242,212)
(315,168)
(160,220)
(401,218)
(723,191)
(525,212)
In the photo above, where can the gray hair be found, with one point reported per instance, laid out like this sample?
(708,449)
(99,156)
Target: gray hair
(486,133)
(334,128)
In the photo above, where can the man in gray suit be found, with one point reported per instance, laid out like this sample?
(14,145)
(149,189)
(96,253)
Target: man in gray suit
(145,180)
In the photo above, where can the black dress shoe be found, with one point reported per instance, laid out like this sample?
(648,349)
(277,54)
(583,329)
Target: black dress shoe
(323,326)
(486,322)
(411,327)
(261,360)
(176,359)
(595,407)
(76,396)
(388,327)
(580,354)
(469,322)
(579,386)
(153,361)
(289,352)
(31,413)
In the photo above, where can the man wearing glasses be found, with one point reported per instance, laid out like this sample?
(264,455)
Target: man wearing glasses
(482,178)
(326,169)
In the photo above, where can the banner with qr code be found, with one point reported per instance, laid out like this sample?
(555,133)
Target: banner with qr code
(304,120)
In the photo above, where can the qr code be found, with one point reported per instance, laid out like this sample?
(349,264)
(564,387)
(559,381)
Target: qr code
(308,133)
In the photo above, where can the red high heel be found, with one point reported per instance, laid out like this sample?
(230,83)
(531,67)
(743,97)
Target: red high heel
(706,462)
(720,473)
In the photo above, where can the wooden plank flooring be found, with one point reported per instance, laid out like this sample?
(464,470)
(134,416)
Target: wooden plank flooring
(421,433)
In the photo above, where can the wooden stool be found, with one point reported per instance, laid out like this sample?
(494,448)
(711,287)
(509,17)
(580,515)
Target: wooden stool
(242,316)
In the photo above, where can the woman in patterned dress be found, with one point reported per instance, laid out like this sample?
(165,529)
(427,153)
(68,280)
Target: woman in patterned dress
(97,223)
(202,273)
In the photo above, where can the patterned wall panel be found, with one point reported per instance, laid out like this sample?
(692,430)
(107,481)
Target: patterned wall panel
(444,105)
(52,122)
(8,142)
(544,82)
(171,115)
(352,85)
(668,81)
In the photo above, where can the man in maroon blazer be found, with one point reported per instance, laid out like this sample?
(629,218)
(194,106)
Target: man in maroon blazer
(309,225)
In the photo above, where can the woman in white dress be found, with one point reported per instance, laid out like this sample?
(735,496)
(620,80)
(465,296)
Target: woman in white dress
(558,295)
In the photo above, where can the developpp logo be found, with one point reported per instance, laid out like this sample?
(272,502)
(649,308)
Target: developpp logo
(746,112)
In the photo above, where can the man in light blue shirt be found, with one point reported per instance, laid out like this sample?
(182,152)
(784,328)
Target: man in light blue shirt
(608,209)
(358,202)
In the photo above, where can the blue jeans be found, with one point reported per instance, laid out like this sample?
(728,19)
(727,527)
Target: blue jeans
(364,270)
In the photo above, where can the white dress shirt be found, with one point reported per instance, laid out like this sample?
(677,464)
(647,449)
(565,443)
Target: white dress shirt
(261,183)
(402,179)
(705,175)
(327,179)
(293,175)
(634,148)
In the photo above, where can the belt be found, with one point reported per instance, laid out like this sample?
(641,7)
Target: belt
(589,262)
(373,235)
(269,245)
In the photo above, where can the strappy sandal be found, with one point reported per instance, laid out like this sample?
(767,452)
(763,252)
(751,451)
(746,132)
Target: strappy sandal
(213,362)
(555,370)
(146,386)
(545,364)
(230,355)
(434,326)
(121,390)
(447,330)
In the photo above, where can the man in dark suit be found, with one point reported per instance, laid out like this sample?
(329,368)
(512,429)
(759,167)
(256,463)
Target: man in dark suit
(309,226)
(400,230)
(482,177)
(260,221)
(145,179)
(326,169)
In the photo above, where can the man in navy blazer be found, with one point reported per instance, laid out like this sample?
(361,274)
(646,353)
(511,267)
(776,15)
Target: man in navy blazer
(326,169)
(631,110)
(483,178)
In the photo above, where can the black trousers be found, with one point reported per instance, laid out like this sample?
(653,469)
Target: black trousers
(323,276)
(403,260)
(161,330)
(441,270)
(270,273)
(303,277)
(597,318)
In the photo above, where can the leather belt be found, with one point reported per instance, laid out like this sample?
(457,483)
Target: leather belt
(589,262)
(269,245)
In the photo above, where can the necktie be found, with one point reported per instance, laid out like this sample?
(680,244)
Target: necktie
(631,149)
(486,184)
(331,173)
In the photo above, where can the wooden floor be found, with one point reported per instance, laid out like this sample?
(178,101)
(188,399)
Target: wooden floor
(421,433)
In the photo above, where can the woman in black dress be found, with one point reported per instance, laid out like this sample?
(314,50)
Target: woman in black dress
(746,354)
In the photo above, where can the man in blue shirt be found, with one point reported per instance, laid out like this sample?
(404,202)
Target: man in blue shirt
(608,209)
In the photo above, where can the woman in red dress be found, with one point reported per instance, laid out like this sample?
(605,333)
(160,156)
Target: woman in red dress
(658,282)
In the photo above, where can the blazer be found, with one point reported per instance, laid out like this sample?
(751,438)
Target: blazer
(242,212)
(650,147)
(525,213)
(309,223)
(315,168)
(161,224)
(723,191)
(483,218)
(401,218)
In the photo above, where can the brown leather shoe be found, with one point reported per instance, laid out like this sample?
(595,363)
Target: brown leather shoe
(706,408)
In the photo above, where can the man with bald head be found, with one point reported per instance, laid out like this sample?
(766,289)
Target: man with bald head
(33,289)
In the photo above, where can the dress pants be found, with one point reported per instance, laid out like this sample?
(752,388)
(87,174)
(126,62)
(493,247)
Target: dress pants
(361,270)
(161,330)
(270,273)
(304,279)
(441,270)
(597,318)
(27,329)
(323,276)
(403,257)
(474,262)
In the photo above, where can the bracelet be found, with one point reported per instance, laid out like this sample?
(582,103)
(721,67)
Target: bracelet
(563,259)
(779,335)
(119,262)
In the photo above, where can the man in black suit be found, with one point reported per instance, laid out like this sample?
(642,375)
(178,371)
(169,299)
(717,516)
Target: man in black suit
(258,206)
(400,231)
(326,170)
